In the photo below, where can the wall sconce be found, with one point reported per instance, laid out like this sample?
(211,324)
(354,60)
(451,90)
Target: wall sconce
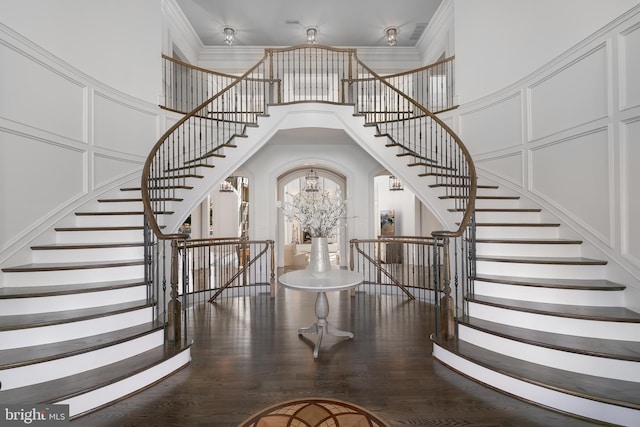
(312,181)
(392,34)
(229,36)
(226,186)
(311,35)
(395,184)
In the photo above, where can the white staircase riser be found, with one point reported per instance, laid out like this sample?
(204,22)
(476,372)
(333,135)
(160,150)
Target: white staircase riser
(88,254)
(72,277)
(548,271)
(546,397)
(28,337)
(491,191)
(33,305)
(53,369)
(497,203)
(526,250)
(124,206)
(102,236)
(624,331)
(516,232)
(507,216)
(624,370)
(110,220)
(550,295)
(113,392)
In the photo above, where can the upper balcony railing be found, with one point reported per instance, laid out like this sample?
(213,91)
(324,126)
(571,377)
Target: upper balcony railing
(187,86)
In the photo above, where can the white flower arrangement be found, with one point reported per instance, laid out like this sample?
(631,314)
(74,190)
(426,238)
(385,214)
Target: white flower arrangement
(318,213)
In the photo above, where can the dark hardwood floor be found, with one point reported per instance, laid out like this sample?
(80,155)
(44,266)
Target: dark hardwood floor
(247,355)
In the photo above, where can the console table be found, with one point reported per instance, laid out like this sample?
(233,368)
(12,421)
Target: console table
(336,280)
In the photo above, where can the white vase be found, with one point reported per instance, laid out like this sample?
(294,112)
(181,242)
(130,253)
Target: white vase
(319,262)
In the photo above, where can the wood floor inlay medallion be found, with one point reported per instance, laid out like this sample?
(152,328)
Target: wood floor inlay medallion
(314,413)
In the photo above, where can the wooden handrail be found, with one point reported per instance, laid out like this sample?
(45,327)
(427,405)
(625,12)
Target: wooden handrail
(195,67)
(417,70)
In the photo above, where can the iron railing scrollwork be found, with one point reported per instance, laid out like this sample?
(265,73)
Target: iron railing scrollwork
(402,108)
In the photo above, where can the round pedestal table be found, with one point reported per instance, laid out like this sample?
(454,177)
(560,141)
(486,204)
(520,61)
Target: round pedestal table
(335,280)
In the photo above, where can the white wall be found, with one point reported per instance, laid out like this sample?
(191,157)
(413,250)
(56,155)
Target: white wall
(65,137)
(567,136)
(499,42)
(117,42)
(226,213)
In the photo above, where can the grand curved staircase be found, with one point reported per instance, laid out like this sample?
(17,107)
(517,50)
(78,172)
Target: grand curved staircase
(544,323)
(535,319)
(77,325)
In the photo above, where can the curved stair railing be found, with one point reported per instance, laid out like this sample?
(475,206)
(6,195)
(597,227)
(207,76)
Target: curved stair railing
(187,86)
(430,86)
(312,73)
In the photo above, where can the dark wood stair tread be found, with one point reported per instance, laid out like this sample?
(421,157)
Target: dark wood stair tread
(541,260)
(536,241)
(67,246)
(24,356)
(576,284)
(610,314)
(190,167)
(98,213)
(74,385)
(54,266)
(23,321)
(613,349)
(139,200)
(116,213)
(479,186)
(498,210)
(114,228)
(517,224)
(444,175)
(177,176)
(482,197)
(116,200)
(163,187)
(54,290)
(616,392)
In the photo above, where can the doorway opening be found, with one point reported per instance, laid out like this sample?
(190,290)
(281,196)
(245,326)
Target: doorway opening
(295,241)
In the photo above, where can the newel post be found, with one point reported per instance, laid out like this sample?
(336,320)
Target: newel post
(272,263)
(174,308)
(447,319)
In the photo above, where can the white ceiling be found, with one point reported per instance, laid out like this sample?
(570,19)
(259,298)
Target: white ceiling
(352,23)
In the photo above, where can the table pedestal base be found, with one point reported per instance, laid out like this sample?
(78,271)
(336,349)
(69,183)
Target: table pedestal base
(322,325)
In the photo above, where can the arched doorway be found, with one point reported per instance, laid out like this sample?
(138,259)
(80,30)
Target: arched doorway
(291,238)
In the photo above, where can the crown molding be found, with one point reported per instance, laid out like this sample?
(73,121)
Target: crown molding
(181,33)
(439,35)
